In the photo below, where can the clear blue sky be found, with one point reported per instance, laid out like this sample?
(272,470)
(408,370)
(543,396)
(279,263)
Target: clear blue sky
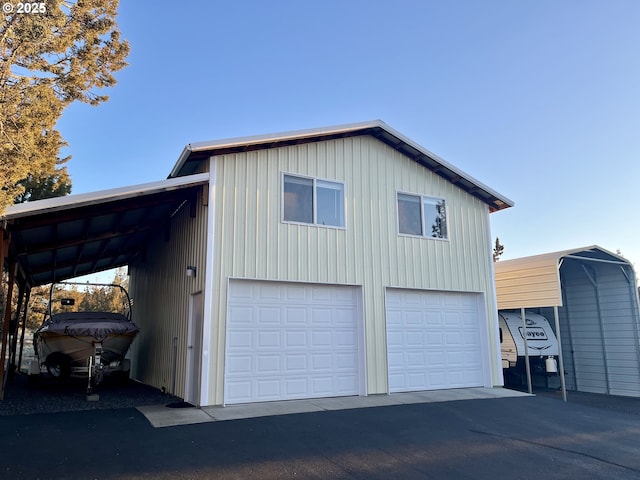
(540,100)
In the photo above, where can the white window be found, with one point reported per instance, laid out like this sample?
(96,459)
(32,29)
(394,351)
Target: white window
(308,200)
(422,216)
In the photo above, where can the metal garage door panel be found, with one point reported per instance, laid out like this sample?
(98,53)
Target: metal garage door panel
(433,340)
(290,341)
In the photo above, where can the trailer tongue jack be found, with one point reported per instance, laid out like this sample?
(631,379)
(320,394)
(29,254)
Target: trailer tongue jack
(95,372)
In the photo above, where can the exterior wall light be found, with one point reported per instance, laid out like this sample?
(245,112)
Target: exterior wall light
(191,271)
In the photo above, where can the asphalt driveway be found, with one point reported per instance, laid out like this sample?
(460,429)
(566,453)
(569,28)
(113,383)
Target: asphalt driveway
(518,438)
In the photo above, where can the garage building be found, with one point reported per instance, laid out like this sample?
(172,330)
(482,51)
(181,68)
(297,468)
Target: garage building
(330,262)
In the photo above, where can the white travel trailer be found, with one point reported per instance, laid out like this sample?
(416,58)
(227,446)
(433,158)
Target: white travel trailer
(541,342)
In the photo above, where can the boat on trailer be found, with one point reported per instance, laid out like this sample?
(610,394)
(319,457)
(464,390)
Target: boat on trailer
(78,340)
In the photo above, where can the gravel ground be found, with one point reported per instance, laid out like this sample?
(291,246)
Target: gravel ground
(48,395)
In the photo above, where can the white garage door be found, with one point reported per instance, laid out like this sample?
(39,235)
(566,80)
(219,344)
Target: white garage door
(289,341)
(433,340)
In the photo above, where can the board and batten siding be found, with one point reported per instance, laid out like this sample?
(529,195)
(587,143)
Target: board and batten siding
(252,242)
(161,292)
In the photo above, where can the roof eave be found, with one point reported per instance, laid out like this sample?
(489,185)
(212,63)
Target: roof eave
(376,128)
(55,204)
(186,152)
(555,257)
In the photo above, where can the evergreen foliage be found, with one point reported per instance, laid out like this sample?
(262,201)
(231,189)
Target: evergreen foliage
(87,298)
(49,60)
(498,250)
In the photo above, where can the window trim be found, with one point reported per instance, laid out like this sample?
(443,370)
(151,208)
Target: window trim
(314,201)
(422,199)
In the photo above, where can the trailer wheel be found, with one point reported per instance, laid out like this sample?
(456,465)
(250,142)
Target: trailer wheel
(59,365)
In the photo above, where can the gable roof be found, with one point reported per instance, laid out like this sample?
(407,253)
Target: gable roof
(530,282)
(194,153)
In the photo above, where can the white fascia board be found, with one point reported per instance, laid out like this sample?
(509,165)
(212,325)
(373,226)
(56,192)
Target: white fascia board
(446,164)
(267,138)
(309,133)
(334,130)
(92,198)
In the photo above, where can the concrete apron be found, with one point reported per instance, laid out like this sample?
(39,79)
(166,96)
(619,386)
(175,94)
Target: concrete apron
(164,416)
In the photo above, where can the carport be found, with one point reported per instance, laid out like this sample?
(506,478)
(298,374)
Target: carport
(591,294)
(56,239)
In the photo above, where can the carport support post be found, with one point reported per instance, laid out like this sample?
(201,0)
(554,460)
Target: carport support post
(560,360)
(6,321)
(526,349)
(24,325)
(13,369)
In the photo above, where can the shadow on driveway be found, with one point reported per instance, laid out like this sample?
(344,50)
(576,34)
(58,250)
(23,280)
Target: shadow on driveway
(630,405)
(524,437)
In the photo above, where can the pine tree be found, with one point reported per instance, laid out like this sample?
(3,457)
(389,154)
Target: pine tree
(64,52)
(498,250)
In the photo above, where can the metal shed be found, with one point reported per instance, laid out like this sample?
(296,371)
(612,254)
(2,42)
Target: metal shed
(592,295)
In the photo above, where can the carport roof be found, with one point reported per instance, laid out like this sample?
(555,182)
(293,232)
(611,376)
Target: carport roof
(66,237)
(194,153)
(531,282)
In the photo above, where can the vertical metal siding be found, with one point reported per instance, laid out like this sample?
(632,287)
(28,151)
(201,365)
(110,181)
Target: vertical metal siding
(160,290)
(604,341)
(587,348)
(252,242)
